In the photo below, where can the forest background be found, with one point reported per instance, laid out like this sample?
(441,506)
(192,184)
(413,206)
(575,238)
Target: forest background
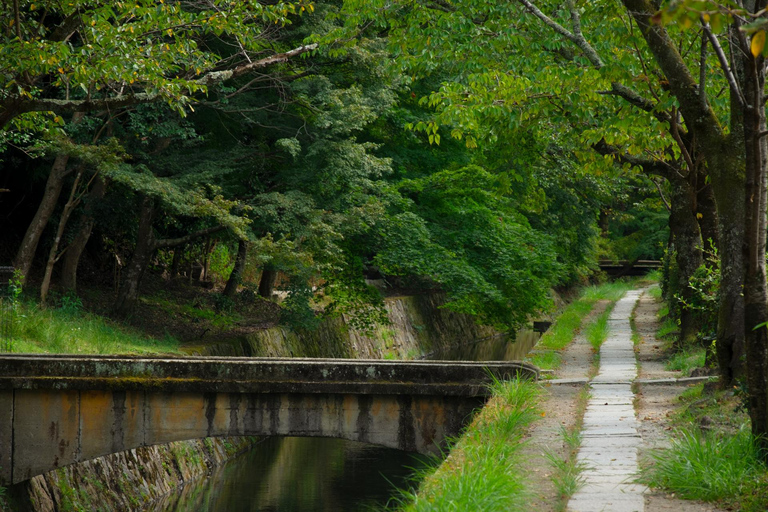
(488,150)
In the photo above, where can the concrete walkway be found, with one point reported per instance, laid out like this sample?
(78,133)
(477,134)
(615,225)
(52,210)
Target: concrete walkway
(609,436)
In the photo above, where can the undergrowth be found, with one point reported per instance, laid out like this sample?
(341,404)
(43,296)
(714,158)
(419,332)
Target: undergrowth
(485,470)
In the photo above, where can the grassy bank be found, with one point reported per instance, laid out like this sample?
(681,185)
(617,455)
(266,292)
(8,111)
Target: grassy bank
(69,330)
(483,469)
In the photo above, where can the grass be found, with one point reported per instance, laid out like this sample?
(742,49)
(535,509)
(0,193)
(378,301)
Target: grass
(485,471)
(686,360)
(546,360)
(568,323)
(68,330)
(712,467)
(597,331)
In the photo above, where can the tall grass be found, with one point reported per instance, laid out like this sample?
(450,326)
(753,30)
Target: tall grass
(485,470)
(597,331)
(711,467)
(71,331)
(686,360)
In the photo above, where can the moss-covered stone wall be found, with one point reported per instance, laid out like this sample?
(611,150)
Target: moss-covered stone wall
(418,325)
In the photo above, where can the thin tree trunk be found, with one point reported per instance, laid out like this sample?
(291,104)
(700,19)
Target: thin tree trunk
(77,246)
(687,242)
(53,254)
(145,246)
(26,253)
(236,277)
(176,262)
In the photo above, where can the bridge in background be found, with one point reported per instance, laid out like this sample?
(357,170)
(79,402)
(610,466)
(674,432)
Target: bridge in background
(57,410)
(628,268)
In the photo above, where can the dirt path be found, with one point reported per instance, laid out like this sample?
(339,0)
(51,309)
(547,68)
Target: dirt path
(656,402)
(561,409)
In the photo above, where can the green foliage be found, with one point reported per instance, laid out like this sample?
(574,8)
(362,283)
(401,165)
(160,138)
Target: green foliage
(165,52)
(458,229)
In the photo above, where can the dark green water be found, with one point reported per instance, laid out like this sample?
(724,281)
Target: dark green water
(322,475)
(301,474)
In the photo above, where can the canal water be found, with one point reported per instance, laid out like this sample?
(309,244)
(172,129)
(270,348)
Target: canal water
(295,474)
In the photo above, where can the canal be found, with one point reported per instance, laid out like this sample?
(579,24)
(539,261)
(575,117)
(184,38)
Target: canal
(294,474)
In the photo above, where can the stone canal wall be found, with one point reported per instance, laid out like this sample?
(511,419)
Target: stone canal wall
(418,325)
(128,480)
(131,479)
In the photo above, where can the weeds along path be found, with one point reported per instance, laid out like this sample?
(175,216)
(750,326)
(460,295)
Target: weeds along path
(610,437)
(562,406)
(654,403)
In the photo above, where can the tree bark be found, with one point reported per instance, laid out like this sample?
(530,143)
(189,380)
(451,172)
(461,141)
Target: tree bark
(77,246)
(53,187)
(267,282)
(145,246)
(235,278)
(706,212)
(688,255)
(53,253)
(755,290)
(176,262)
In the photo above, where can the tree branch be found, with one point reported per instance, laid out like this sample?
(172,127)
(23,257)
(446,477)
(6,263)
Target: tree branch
(735,89)
(575,37)
(23,105)
(699,118)
(652,167)
(166,243)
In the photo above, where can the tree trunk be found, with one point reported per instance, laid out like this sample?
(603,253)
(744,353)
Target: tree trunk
(730,318)
(145,246)
(53,254)
(267,282)
(235,278)
(755,290)
(687,242)
(53,186)
(77,246)
(176,262)
(706,212)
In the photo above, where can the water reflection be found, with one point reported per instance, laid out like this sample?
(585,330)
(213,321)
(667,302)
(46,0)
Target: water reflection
(498,348)
(300,474)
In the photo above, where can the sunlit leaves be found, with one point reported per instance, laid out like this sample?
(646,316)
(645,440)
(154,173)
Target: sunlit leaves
(85,49)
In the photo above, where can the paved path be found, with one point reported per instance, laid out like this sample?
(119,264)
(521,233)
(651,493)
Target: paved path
(609,436)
